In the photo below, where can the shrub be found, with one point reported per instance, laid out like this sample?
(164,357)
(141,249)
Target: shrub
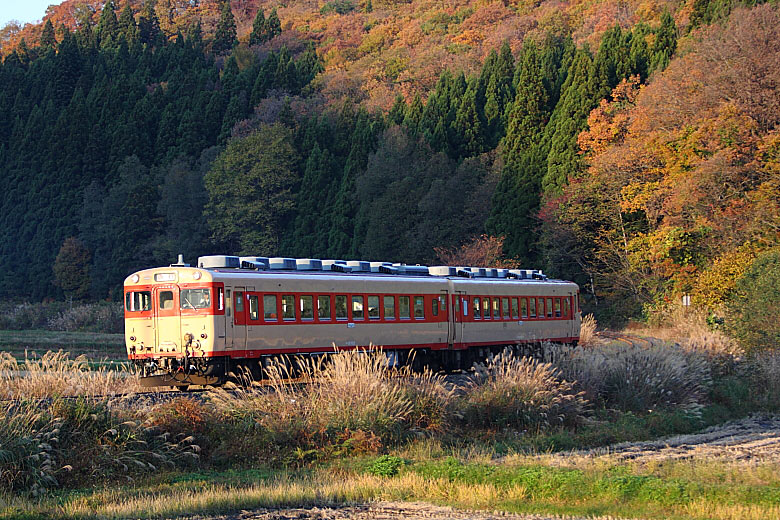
(106,317)
(763,374)
(634,378)
(754,316)
(522,393)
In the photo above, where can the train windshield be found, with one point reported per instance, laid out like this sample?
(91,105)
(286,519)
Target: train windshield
(195,298)
(137,301)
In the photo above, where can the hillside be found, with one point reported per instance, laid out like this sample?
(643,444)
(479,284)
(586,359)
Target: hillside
(629,146)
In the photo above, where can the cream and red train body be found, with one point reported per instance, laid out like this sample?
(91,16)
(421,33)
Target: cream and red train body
(193,325)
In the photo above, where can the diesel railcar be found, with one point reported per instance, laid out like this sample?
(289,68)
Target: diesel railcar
(194,325)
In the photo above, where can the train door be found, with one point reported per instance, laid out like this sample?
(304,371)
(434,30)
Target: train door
(570,307)
(238,339)
(443,304)
(459,308)
(167,319)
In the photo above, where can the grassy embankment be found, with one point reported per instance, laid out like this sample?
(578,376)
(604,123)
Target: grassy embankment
(359,436)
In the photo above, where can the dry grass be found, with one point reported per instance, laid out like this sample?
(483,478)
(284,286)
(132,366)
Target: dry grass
(588,330)
(635,378)
(521,393)
(763,372)
(56,374)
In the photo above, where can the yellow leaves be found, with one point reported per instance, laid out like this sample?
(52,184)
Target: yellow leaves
(469,37)
(715,284)
(636,195)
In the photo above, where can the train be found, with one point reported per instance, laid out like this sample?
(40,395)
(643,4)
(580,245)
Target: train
(196,325)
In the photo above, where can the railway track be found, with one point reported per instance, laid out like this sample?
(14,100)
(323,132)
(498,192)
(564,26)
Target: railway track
(628,339)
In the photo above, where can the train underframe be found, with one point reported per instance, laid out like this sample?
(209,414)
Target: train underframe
(183,372)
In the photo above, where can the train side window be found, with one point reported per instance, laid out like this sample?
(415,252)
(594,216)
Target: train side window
(389,303)
(435,306)
(557,307)
(404,308)
(341,307)
(514,309)
(220,298)
(269,307)
(533,307)
(540,307)
(566,308)
(239,301)
(323,307)
(307,307)
(288,307)
(523,307)
(443,303)
(373,307)
(137,301)
(496,310)
(357,308)
(505,307)
(228,306)
(166,300)
(486,308)
(465,306)
(419,308)
(549,307)
(476,304)
(254,308)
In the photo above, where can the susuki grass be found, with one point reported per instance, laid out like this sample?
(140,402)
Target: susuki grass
(636,378)
(522,393)
(56,374)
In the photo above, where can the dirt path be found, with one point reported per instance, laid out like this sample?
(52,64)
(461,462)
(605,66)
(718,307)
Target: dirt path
(377,511)
(754,440)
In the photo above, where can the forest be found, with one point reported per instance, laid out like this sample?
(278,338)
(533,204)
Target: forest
(633,147)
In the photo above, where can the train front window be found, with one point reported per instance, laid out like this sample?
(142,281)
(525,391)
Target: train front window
(195,298)
(389,302)
(373,307)
(269,307)
(166,300)
(288,307)
(323,307)
(341,307)
(138,301)
(307,307)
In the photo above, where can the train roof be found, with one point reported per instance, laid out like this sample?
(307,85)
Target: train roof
(220,267)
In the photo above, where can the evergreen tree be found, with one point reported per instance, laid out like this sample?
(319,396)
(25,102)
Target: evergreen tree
(398,110)
(516,198)
(225,35)
(467,127)
(258,28)
(127,26)
(273,24)
(71,268)
(108,26)
(665,43)
(48,41)
(149,25)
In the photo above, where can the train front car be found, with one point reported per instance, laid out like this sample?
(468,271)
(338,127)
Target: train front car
(171,326)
